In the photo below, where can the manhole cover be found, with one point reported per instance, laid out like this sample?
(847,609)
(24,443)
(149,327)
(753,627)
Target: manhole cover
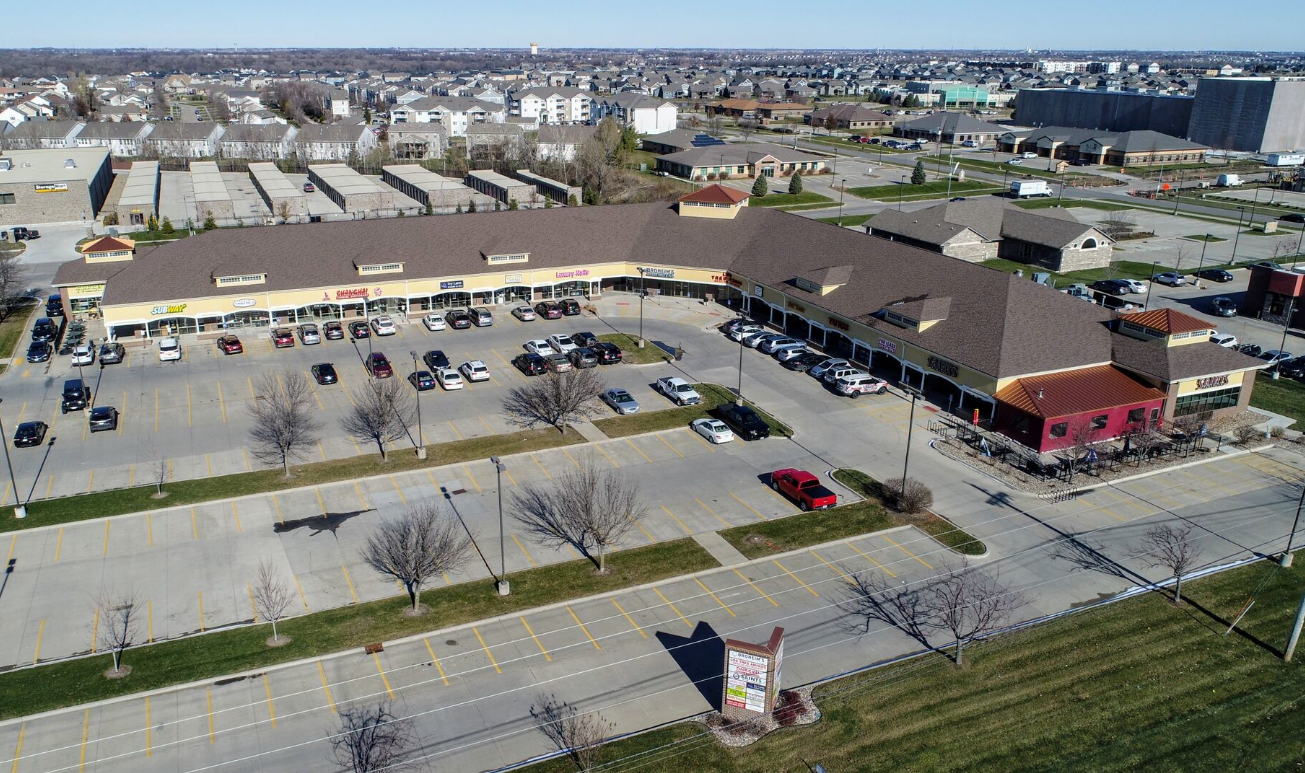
(451,642)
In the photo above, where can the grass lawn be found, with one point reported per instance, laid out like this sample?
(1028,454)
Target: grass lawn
(189,492)
(1282,396)
(929,189)
(670,418)
(1120,269)
(849,220)
(1072,203)
(630,351)
(1205,238)
(864,147)
(1015,170)
(1138,685)
(226,652)
(12,330)
(777,197)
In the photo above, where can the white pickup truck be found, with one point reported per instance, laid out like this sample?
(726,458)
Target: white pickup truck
(679,390)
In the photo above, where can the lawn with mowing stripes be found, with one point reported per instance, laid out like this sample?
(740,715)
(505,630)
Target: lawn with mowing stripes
(712,396)
(927,190)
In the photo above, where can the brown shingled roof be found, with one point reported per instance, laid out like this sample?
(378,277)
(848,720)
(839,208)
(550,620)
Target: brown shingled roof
(715,194)
(1076,391)
(1168,321)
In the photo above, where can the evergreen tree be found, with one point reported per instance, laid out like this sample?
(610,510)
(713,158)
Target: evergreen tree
(795,183)
(458,210)
(512,205)
(471,207)
(210,222)
(166,226)
(917,174)
(759,188)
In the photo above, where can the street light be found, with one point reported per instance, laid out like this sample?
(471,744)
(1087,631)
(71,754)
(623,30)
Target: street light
(841,190)
(1286,556)
(503,587)
(739,400)
(643,290)
(421,440)
(20,509)
(910,426)
(1237,236)
(1146,304)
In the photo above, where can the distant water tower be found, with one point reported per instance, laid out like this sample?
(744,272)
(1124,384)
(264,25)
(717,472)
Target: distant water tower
(534,49)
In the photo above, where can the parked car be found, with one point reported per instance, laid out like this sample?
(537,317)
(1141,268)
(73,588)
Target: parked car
(1214,275)
(39,351)
(530,364)
(422,380)
(1294,368)
(310,188)
(791,353)
(433,322)
(803,488)
(1226,340)
(449,379)
(333,330)
(458,319)
(679,390)
(1223,306)
(1112,286)
(1015,162)
(481,316)
(745,422)
(755,341)
(732,325)
(620,401)
(743,331)
(584,338)
(1135,285)
(1275,356)
(818,370)
(1029,154)
(769,345)
(103,417)
(832,375)
(228,345)
(474,370)
(524,313)
(384,326)
(29,433)
(282,338)
(714,430)
(548,310)
(607,352)
(558,363)
(540,346)
(379,365)
(308,334)
(436,360)
(169,349)
(324,373)
(112,353)
(582,357)
(570,307)
(54,306)
(1269,265)
(860,384)
(804,362)
(561,342)
(1171,278)
(1251,350)
(76,396)
(358,329)
(45,330)
(83,354)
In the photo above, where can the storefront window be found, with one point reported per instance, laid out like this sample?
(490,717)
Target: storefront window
(1136,415)
(83,304)
(519,294)
(451,301)
(241,319)
(172,326)
(1099,422)
(1204,402)
(1060,429)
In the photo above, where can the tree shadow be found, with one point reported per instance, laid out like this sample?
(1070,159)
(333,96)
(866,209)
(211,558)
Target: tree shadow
(701,656)
(327,522)
(1221,624)
(870,599)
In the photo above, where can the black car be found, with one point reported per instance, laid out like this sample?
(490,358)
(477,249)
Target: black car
(607,353)
(530,364)
(1268,264)
(1250,350)
(1293,217)
(76,396)
(422,380)
(584,338)
(1292,368)
(29,433)
(458,319)
(582,357)
(570,308)
(103,417)
(1214,275)
(44,330)
(359,329)
(744,421)
(804,362)
(435,360)
(1223,306)
(112,353)
(54,306)
(1112,286)
(39,351)
(325,373)
(728,327)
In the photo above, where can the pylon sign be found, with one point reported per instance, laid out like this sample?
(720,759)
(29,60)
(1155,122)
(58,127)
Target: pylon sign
(752,676)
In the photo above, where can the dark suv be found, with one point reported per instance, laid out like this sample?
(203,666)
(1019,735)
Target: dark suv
(607,352)
(744,421)
(570,307)
(76,396)
(582,358)
(44,330)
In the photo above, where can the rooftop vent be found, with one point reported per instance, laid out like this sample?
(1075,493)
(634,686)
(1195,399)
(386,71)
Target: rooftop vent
(69,163)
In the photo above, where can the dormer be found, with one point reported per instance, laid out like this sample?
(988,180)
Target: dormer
(108,249)
(713,201)
(371,269)
(917,315)
(1168,326)
(823,281)
(231,280)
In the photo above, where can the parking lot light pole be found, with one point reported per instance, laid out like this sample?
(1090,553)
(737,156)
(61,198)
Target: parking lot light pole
(1201,262)
(1241,211)
(642,292)
(739,395)
(842,189)
(421,440)
(910,426)
(20,510)
(1291,535)
(503,587)
(1146,304)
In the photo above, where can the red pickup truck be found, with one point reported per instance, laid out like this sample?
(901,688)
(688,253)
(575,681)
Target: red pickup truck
(803,488)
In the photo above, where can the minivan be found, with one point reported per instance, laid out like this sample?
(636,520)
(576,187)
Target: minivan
(842,371)
(481,317)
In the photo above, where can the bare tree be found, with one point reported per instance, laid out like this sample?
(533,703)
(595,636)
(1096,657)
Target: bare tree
(908,496)
(747,129)
(1118,225)
(272,598)
(117,623)
(423,543)
(371,738)
(588,508)
(556,399)
(381,413)
(283,423)
(160,473)
(577,735)
(966,603)
(1171,547)
(13,281)
(1082,435)
(283,210)
(872,598)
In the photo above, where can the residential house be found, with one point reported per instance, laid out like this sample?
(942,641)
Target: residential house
(561,143)
(33,135)
(553,105)
(494,140)
(645,114)
(256,142)
(123,139)
(455,114)
(333,142)
(749,159)
(851,117)
(175,139)
(417,141)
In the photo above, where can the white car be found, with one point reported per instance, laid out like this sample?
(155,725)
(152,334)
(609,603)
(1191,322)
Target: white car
(384,326)
(743,331)
(769,345)
(561,343)
(540,346)
(448,378)
(819,369)
(755,340)
(169,349)
(475,370)
(713,429)
(679,390)
(1226,340)
(791,353)
(778,349)
(621,401)
(524,313)
(1135,285)
(83,354)
(434,322)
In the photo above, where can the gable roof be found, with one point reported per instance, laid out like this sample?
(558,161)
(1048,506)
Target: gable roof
(1076,392)
(1168,321)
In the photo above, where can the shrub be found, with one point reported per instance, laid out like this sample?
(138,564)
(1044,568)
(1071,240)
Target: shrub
(166,226)
(1246,435)
(909,496)
(795,183)
(711,175)
(210,222)
(760,187)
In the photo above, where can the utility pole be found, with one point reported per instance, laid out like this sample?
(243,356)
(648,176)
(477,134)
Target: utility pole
(842,189)
(503,587)
(1237,236)
(20,509)
(1146,304)
(421,440)
(910,426)
(1286,554)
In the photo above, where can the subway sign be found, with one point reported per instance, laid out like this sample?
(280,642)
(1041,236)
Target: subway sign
(175,308)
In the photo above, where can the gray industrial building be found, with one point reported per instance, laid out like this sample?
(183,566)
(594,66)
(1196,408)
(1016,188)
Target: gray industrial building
(501,187)
(139,197)
(559,192)
(1261,115)
(283,198)
(349,190)
(1116,111)
(211,197)
(442,194)
(57,185)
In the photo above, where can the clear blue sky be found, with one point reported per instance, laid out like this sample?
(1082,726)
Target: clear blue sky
(1055,24)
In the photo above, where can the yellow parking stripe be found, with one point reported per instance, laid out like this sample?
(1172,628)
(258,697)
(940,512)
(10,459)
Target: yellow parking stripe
(86,734)
(194,523)
(208,696)
(795,578)
(349,580)
(236,514)
(686,529)
(381,670)
(471,477)
(302,597)
(149,728)
(524,552)
(668,445)
(702,440)
(745,504)
(58,546)
(600,450)
(907,552)
(538,643)
(40,634)
(106,537)
(672,606)
(201,610)
(756,588)
(723,522)
(841,573)
(638,451)
(576,618)
(716,598)
(402,498)
(435,660)
(271,710)
(485,647)
(455,429)
(361,499)
(621,609)
(280,518)
(222,403)
(646,533)
(541,467)
(326,686)
(572,458)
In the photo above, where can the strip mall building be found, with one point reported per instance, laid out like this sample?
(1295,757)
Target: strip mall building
(1034,362)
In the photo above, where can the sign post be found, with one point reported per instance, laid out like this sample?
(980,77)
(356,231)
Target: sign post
(752,677)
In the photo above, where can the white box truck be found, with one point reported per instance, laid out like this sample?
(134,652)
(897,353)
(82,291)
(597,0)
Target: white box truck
(1023,189)
(1285,159)
(1228,181)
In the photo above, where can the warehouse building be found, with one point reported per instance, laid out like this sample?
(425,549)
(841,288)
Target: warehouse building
(57,185)
(1260,115)
(211,197)
(349,190)
(501,187)
(1114,111)
(441,194)
(558,192)
(283,198)
(139,198)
